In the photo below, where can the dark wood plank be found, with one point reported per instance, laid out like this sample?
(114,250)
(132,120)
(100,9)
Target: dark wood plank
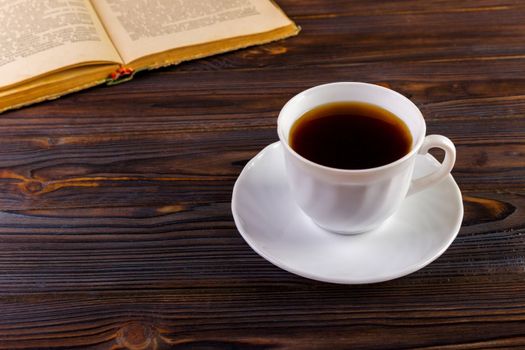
(115,222)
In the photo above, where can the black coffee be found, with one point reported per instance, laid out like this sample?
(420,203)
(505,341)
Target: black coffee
(350,135)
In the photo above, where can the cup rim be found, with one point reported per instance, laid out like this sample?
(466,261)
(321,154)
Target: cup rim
(374,170)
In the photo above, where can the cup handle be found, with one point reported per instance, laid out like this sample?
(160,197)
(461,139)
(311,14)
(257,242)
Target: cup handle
(435,141)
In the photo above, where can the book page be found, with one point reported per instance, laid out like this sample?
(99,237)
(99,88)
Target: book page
(42,36)
(143,27)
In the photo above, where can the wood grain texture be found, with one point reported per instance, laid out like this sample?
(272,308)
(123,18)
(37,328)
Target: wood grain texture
(115,222)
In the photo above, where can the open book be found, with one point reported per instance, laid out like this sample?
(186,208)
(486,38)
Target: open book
(52,47)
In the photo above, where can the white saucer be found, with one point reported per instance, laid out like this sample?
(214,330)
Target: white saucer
(274,226)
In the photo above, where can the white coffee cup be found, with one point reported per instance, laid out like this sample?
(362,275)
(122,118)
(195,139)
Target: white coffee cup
(355,201)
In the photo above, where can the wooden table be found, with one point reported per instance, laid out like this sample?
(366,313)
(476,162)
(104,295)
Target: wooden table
(115,222)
